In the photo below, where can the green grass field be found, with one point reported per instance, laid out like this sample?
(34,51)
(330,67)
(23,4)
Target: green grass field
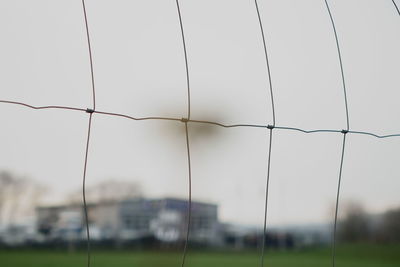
(347,256)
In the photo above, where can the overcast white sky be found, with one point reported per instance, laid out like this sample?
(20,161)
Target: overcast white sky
(139,70)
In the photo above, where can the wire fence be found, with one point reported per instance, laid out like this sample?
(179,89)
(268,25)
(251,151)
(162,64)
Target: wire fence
(186,121)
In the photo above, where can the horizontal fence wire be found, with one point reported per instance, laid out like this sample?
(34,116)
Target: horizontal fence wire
(188,120)
(215,123)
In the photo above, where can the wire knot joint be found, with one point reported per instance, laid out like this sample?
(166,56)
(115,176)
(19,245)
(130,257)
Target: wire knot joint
(89,110)
(270,127)
(344,131)
(185,120)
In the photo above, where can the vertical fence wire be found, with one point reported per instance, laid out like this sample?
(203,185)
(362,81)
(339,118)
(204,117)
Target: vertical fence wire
(186,58)
(85,210)
(270,127)
(93,110)
(344,132)
(337,201)
(340,63)
(185,120)
(90,111)
(266,199)
(397,8)
(189,207)
(266,61)
(90,55)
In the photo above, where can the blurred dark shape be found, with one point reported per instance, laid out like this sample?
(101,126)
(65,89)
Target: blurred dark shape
(390,229)
(241,237)
(279,240)
(360,226)
(108,191)
(197,130)
(355,226)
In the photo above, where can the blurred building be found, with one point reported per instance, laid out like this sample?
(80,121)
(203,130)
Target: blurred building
(248,237)
(164,220)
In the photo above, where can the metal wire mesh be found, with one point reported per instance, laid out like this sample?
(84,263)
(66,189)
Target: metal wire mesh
(92,112)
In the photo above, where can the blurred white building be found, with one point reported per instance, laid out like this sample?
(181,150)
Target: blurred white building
(133,219)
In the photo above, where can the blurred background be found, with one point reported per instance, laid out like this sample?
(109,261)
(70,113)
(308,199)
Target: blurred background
(137,184)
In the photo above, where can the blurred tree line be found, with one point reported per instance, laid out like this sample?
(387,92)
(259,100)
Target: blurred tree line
(359,226)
